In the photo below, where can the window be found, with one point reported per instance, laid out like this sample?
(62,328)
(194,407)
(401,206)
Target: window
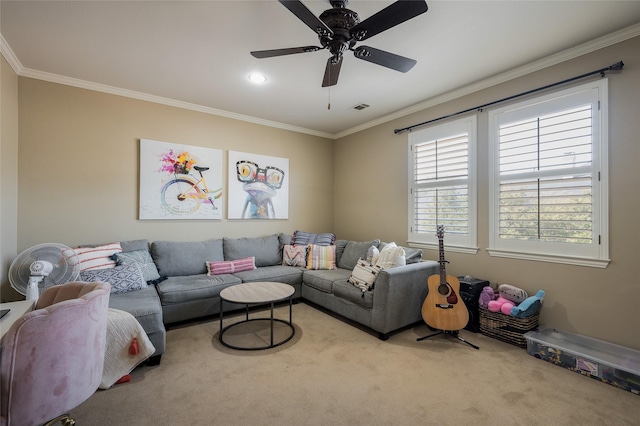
(442,185)
(548,174)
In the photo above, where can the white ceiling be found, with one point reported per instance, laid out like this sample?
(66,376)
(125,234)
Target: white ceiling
(196,53)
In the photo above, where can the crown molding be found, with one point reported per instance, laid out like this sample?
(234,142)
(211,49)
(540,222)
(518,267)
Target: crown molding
(83,84)
(11,57)
(563,56)
(20,70)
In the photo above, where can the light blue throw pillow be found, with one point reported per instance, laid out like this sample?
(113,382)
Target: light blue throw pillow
(144,261)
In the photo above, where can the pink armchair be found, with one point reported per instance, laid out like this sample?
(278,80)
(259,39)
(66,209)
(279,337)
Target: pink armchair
(51,359)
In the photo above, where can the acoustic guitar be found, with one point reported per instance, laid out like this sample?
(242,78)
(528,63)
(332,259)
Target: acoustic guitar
(443,309)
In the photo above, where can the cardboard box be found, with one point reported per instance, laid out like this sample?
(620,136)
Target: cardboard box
(613,364)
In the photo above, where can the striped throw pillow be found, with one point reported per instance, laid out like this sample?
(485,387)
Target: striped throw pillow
(217,267)
(364,275)
(304,238)
(294,256)
(321,257)
(97,257)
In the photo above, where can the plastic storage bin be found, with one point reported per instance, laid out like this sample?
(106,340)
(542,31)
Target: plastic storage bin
(613,364)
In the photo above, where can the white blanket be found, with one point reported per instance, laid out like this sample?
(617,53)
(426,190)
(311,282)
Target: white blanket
(122,328)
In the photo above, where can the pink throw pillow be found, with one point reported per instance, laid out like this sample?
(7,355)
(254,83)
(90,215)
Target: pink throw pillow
(294,255)
(217,267)
(99,257)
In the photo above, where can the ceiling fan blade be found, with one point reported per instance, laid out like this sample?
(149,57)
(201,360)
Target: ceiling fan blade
(389,17)
(331,73)
(261,54)
(386,59)
(305,15)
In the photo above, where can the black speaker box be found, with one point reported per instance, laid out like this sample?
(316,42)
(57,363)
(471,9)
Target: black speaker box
(470,289)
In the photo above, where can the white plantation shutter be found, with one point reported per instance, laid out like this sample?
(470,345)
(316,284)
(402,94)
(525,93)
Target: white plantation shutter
(548,192)
(546,181)
(441,191)
(547,209)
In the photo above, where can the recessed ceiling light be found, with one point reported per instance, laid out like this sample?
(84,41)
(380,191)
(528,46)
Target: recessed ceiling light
(257,78)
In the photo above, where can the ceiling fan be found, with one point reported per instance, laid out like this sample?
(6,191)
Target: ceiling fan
(339,29)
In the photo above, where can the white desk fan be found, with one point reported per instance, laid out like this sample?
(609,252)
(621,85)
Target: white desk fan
(43,266)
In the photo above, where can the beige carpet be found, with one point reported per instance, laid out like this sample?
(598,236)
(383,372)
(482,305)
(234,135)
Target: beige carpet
(333,373)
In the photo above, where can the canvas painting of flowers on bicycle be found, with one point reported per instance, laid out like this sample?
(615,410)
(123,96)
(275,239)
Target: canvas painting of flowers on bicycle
(180,181)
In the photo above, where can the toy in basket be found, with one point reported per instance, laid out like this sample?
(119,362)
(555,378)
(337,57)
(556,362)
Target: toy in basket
(509,314)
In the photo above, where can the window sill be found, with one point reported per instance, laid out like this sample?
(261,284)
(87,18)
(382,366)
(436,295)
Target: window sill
(567,260)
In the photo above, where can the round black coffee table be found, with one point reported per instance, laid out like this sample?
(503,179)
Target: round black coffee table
(257,293)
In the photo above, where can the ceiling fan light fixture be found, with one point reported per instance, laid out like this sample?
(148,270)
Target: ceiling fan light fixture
(257,78)
(339,29)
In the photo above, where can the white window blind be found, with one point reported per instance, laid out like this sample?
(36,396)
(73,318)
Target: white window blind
(547,191)
(546,182)
(441,192)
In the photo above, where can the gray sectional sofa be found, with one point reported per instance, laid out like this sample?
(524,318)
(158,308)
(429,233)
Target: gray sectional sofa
(187,292)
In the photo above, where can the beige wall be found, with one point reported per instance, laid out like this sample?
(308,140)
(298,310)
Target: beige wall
(8,172)
(371,200)
(78,183)
(78,168)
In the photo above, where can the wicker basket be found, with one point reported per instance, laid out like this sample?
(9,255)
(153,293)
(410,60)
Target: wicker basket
(507,328)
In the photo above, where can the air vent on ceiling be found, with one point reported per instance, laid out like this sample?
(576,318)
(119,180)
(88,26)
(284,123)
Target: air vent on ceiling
(360,107)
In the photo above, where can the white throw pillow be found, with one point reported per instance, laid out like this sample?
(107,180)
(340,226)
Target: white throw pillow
(391,256)
(372,254)
(364,275)
(98,257)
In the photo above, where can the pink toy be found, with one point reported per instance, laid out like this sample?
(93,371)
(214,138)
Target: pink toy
(501,305)
(487,296)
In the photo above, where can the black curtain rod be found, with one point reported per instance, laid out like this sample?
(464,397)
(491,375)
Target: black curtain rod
(615,67)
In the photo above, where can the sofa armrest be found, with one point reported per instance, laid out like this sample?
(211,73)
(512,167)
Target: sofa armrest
(398,295)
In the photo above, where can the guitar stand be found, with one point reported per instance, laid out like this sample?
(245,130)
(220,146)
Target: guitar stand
(454,333)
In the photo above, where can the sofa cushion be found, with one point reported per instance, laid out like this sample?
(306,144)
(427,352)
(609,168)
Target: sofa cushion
(347,291)
(340,245)
(143,259)
(285,239)
(323,279)
(123,278)
(304,238)
(133,245)
(185,258)
(353,251)
(276,273)
(183,289)
(144,305)
(217,267)
(321,257)
(266,250)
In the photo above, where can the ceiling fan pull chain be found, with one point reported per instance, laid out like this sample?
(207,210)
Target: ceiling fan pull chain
(329,98)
